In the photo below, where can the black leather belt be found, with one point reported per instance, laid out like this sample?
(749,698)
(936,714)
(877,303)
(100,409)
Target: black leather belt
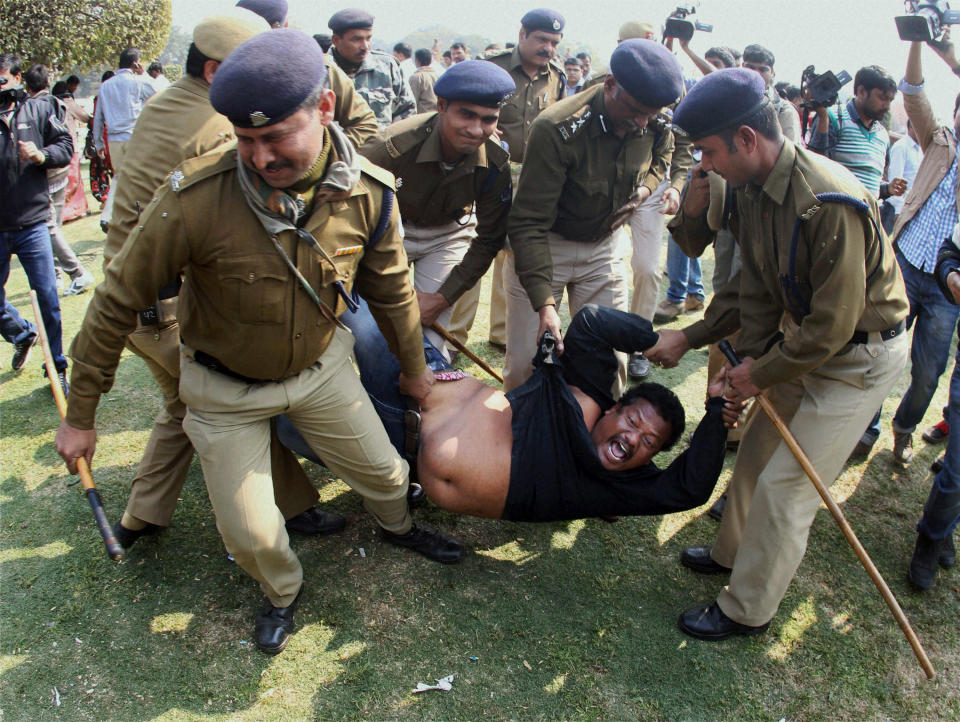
(864,336)
(205,359)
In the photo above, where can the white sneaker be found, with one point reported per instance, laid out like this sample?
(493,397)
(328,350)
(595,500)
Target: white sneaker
(80,284)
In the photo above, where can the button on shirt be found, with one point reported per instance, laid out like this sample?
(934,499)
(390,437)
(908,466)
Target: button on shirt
(923,234)
(118,106)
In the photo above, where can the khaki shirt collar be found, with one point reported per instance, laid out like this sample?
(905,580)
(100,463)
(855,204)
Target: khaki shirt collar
(600,122)
(432,150)
(778,182)
(516,63)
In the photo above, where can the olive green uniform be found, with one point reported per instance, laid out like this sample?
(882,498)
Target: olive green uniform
(449,246)
(533,96)
(825,383)
(381,83)
(242,306)
(579,173)
(175,126)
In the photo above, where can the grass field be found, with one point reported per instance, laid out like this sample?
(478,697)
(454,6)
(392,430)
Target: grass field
(552,621)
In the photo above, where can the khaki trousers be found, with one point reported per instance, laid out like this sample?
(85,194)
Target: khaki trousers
(646,231)
(771,503)
(589,273)
(166,459)
(228,422)
(118,149)
(434,252)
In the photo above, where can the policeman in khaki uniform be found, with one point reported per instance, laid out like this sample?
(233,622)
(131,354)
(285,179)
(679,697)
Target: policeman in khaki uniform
(376,75)
(175,126)
(590,160)
(821,308)
(445,162)
(274,234)
(540,83)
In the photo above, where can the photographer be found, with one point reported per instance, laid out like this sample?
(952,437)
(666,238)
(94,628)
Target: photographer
(33,139)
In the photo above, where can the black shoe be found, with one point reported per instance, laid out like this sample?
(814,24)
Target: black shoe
(416,496)
(273,626)
(432,544)
(699,559)
(64,384)
(716,511)
(21,352)
(638,367)
(104,226)
(128,537)
(315,521)
(937,465)
(710,623)
(927,553)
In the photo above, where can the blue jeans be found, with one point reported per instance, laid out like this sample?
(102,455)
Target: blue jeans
(934,319)
(942,510)
(686,278)
(379,374)
(32,246)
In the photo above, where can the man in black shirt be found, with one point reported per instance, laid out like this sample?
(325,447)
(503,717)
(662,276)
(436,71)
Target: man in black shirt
(558,447)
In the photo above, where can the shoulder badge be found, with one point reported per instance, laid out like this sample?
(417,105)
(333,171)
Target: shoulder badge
(175,179)
(571,126)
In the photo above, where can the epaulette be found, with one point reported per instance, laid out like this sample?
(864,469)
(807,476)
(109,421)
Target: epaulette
(498,55)
(399,143)
(221,159)
(571,126)
(497,155)
(381,175)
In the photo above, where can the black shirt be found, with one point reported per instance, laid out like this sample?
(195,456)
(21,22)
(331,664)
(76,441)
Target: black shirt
(555,472)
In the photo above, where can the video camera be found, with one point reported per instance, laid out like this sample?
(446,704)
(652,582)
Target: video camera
(678,26)
(10,96)
(821,91)
(925,20)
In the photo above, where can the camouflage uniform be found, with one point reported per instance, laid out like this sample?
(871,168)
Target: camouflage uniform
(379,80)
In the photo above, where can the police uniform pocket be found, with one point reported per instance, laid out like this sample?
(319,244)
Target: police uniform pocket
(254,288)
(591,197)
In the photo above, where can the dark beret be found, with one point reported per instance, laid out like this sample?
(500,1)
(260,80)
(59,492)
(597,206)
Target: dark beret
(273,11)
(350,19)
(648,71)
(549,21)
(267,78)
(475,81)
(721,100)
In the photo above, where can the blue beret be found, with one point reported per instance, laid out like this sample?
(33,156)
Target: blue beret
(267,78)
(273,11)
(475,81)
(549,21)
(648,71)
(721,100)
(350,19)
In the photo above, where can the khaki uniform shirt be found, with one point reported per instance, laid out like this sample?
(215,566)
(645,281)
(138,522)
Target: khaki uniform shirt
(578,174)
(239,302)
(845,272)
(430,196)
(532,97)
(180,124)
(421,85)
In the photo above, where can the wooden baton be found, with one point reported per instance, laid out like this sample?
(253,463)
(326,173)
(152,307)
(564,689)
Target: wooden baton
(465,351)
(114,550)
(838,515)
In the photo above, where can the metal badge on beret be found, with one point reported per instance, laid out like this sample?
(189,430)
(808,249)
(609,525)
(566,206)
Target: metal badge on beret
(258,118)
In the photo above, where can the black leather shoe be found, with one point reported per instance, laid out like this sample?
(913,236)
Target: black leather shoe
(128,537)
(927,554)
(716,510)
(315,521)
(416,496)
(432,544)
(273,626)
(710,623)
(699,559)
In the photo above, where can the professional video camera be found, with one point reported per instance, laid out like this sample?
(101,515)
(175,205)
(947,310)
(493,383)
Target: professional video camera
(678,26)
(820,91)
(925,20)
(9,96)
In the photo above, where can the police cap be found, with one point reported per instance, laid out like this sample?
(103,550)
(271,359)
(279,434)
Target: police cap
(350,19)
(217,36)
(475,81)
(633,29)
(648,71)
(267,78)
(549,21)
(721,100)
(273,11)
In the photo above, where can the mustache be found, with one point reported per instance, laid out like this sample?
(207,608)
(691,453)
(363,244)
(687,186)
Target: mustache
(545,54)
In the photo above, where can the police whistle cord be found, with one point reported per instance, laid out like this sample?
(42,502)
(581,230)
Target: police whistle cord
(838,515)
(465,351)
(114,550)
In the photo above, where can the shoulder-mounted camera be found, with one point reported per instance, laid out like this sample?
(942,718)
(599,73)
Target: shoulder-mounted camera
(679,26)
(821,91)
(925,20)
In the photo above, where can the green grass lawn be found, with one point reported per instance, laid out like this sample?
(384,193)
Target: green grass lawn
(551,621)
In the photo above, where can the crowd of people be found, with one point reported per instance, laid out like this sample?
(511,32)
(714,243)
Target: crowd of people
(295,209)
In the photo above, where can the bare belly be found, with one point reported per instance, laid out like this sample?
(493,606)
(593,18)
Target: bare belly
(466,443)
